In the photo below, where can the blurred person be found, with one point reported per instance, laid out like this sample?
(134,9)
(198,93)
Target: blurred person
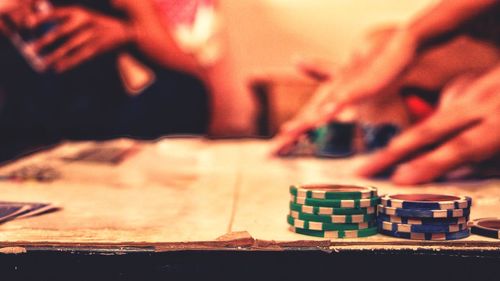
(106,69)
(465,126)
(200,30)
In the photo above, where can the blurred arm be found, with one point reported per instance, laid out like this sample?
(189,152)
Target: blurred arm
(233,107)
(154,39)
(445,19)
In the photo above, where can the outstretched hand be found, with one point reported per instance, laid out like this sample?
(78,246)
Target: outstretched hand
(465,129)
(369,77)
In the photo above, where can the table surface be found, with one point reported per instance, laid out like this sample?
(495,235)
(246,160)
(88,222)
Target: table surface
(178,194)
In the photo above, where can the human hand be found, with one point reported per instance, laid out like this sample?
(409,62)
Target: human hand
(369,79)
(9,5)
(465,129)
(84,33)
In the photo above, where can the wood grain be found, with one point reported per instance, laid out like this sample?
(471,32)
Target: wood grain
(185,193)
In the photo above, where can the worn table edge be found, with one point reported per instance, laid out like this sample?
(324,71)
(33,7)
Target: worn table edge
(249,245)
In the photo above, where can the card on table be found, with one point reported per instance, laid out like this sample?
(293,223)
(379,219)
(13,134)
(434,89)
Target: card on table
(18,210)
(102,154)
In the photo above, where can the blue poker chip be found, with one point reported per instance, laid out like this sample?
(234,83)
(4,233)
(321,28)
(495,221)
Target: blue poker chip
(423,213)
(423,221)
(426,201)
(419,228)
(343,139)
(488,227)
(334,139)
(427,236)
(378,136)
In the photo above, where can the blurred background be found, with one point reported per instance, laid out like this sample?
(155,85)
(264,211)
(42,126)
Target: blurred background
(84,69)
(267,37)
(266,34)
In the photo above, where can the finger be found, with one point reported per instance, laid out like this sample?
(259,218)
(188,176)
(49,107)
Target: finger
(460,150)
(318,104)
(75,42)
(417,138)
(79,56)
(293,130)
(284,141)
(456,88)
(317,69)
(61,31)
(60,14)
(434,129)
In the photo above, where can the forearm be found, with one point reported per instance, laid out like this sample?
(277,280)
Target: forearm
(233,107)
(156,41)
(446,18)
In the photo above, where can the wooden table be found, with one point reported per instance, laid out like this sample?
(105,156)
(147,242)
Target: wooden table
(186,206)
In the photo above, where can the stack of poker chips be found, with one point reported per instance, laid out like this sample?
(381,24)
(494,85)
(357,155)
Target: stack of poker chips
(342,139)
(424,216)
(333,211)
(488,227)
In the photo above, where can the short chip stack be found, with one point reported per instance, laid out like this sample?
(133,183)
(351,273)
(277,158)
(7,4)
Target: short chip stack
(333,211)
(424,216)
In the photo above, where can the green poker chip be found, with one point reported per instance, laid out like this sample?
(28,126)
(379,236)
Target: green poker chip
(336,234)
(337,203)
(313,225)
(331,191)
(333,218)
(315,210)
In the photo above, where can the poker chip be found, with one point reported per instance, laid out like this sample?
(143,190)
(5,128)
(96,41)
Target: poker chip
(427,236)
(337,203)
(423,213)
(424,216)
(343,139)
(335,192)
(306,209)
(335,139)
(422,221)
(426,201)
(378,136)
(420,228)
(333,211)
(489,227)
(336,234)
(333,218)
(312,225)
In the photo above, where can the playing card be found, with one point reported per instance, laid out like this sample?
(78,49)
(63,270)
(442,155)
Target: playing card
(41,173)
(18,210)
(10,211)
(102,154)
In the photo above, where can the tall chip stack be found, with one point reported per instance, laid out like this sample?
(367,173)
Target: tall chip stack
(424,216)
(333,211)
